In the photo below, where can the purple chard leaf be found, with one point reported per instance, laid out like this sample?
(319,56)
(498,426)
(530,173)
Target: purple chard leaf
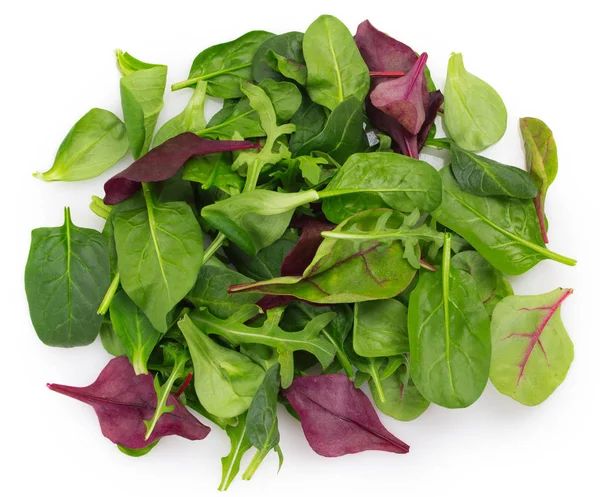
(123,401)
(163,162)
(337,418)
(403,98)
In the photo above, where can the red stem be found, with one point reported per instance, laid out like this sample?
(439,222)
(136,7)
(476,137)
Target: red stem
(426,265)
(184,385)
(386,74)
(541,219)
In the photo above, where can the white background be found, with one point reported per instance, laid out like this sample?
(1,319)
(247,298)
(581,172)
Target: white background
(57,63)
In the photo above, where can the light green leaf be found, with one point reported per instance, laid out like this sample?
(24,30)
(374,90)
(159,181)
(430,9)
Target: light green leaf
(380,328)
(94,144)
(531,350)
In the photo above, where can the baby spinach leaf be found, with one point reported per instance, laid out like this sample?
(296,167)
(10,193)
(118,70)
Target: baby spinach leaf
(309,121)
(210,291)
(403,98)
(225,66)
(270,333)
(191,119)
(225,380)
(238,436)
(503,230)
(345,270)
(261,422)
(338,419)
(110,341)
(285,97)
(255,219)
(163,162)
(407,184)
(287,45)
(474,113)
(449,334)
(380,328)
(402,399)
(491,284)
(266,263)
(335,68)
(94,144)
(67,273)
(343,134)
(123,400)
(289,68)
(531,350)
(239,118)
(159,248)
(542,162)
(487,178)
(135,331)
(142,89)
(179,356)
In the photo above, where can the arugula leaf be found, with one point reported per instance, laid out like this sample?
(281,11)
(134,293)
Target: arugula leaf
(238,435)
(94,144)
(179,357)
(270,333)
(67,273)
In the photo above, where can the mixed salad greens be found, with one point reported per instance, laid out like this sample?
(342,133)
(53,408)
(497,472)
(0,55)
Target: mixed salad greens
(337,257)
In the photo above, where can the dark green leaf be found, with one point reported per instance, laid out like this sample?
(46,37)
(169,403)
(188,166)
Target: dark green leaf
(67,273)
(287,45)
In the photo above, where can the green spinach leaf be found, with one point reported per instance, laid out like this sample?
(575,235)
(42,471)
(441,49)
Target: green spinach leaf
(291,69)
(67,273)
(474,113)
(210,291)
(191,119)
(405,184)
(380,328)
(285,97)
(240,118)
(134,330)
(503,230)
(449,334)
(343,134)
(159,250)
(94,144)
(486,177)
(310,121)
(287,45)
(225,380)
(142,89)
(335,68)
(225,66)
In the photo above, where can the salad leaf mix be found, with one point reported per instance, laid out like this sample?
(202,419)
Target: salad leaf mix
(296,246)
